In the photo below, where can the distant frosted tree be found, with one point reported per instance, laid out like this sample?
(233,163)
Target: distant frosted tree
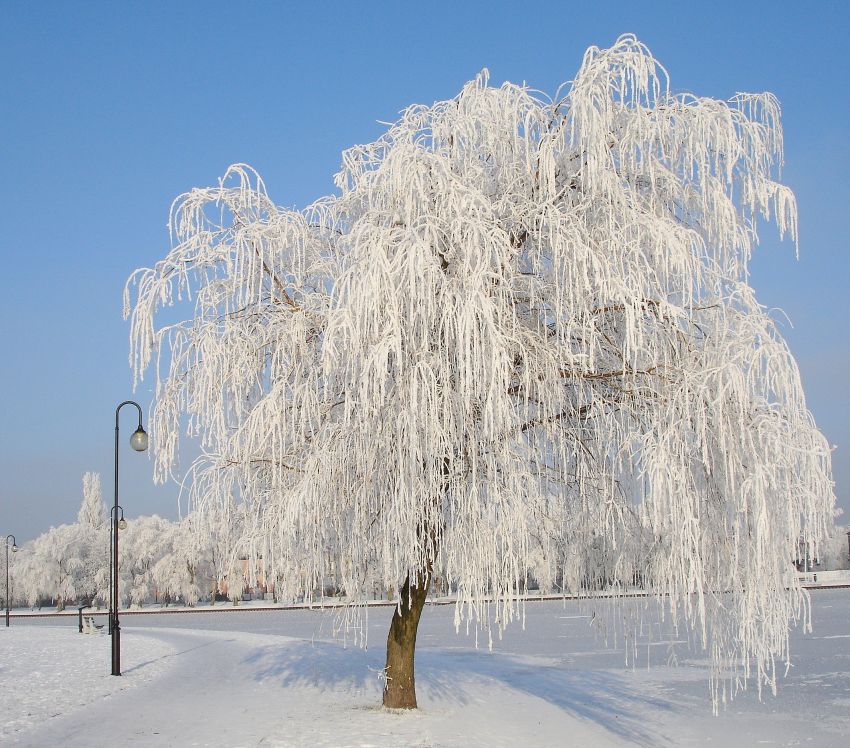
(70,562)
(54,566)
(145,542)
(93,511)
(521,332)
(27,577)
(235,578)
(93,543)
(220,542)
(181,571)
(834,552)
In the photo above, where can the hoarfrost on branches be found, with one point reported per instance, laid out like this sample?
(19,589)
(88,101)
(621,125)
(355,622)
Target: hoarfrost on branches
(144,543)
(92,511)
(521,334)
(70,562)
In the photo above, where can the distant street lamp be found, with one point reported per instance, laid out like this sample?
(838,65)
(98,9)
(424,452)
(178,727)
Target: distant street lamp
(139,442)
(14,550)
(122,525)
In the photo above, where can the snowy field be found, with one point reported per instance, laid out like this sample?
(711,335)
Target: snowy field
(279,678)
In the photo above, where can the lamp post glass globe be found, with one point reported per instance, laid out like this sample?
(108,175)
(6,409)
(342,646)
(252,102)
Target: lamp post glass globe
(139,440)
(122,524)
(14,548)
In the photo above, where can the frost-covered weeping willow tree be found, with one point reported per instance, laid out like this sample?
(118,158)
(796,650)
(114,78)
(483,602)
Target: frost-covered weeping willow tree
(521,334)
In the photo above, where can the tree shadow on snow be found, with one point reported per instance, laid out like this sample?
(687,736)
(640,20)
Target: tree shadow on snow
(323,665)
(176,653)
(599,696)
(603,697)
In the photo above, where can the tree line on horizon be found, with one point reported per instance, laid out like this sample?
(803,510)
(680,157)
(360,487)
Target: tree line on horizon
(160,561)
(169,562)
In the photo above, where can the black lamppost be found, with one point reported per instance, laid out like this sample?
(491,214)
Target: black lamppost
(122,524)
(14,550)
(139,442)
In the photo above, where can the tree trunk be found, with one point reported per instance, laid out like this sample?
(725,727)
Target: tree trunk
(400,690)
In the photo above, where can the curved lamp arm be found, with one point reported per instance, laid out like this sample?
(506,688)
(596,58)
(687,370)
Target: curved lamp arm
(139,438)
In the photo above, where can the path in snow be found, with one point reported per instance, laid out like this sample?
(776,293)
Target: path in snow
(238,689)
(553,685)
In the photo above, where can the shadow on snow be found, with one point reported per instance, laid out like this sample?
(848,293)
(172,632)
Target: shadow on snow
(451,677)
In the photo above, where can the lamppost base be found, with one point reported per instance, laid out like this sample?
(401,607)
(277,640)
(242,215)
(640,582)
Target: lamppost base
(116,649)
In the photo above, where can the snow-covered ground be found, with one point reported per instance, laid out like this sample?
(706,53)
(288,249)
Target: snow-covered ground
(279,678)
(48,672)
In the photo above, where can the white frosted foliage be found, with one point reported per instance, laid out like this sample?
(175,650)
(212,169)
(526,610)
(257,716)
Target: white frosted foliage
(521,337)
(92,511)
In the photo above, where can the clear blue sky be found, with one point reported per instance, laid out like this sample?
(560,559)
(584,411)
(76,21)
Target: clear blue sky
(110,110)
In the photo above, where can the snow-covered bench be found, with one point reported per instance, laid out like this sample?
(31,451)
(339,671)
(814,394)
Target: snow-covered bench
(90,627)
